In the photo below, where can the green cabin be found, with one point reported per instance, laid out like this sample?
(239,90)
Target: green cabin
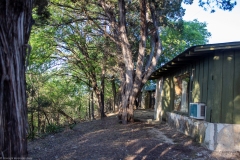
(209,74)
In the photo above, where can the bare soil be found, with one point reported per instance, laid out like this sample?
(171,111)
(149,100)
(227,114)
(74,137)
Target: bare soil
(107,139)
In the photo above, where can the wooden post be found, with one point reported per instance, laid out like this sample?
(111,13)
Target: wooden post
(158,100)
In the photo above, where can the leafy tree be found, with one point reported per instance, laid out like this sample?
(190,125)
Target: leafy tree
(176,41)
(79,51)
(55,94)
(128,22)
(222,4)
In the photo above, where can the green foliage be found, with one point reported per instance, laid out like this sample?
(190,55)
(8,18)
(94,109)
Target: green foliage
(71,126)
(221,4)
(53,128)
(41,11)
(176,41)
(70,51)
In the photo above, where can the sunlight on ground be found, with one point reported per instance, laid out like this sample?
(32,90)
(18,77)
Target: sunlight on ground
(188,143)
(132,142)
(131,157)
(112,114)
(160,135)
(98,132)
(140,150)
(165,152)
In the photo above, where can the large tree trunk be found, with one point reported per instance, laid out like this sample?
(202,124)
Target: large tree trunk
(138,84)
(15,26)
(127,80)
(133,81)
(130,85)
(99,96)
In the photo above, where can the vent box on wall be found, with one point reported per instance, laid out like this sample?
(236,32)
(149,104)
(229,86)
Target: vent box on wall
(197,110)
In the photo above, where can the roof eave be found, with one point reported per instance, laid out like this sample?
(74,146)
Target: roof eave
(191,55)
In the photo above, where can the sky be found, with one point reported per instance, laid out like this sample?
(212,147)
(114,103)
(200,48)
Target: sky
(223,25)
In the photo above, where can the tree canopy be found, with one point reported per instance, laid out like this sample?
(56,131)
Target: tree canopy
(83,39)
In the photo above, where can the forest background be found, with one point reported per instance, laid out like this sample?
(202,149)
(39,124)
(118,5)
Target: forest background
(74,69)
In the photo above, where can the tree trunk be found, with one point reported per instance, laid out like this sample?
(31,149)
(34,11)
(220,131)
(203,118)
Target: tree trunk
(99,102)
(47,117)
(38,115)
(92,107)
(140,63)
(89,106)
(103,87)
(114,93)
(132,84)
(127,57)
(99,96)
(70,119)
(32,125)
(15,26)
(102,105)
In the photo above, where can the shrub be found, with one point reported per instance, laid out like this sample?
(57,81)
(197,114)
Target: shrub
(53,128)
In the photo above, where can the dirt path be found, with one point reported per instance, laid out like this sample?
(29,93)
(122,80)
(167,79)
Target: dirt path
(108,140)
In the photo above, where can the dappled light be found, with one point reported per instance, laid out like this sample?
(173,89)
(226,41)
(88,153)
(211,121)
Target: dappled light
(65,65)
(106,139)
(196,91)
(140,150)
(165,151)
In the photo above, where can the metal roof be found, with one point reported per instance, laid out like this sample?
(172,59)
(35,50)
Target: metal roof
(190,55)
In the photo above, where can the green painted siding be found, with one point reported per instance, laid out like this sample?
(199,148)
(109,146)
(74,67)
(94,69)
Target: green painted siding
(227,88)
(196,86)
(236,88)
(205,85)
(204,66)
(217,87)
(166,96)
(216,83)
(200,79)
(210,91)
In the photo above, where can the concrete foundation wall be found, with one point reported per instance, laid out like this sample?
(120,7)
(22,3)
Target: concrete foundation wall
(215,136)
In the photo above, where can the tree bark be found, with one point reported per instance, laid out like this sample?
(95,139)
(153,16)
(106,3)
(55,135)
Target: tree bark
(32,125)
(99,95)
(15,26)
(103,85)
(70,119)
(134,80)
(138,84)
(127,57)
(114,93)
(89,105)
(92,107)
(46,117)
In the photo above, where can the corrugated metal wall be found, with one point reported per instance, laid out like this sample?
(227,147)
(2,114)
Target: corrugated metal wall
(216,82)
